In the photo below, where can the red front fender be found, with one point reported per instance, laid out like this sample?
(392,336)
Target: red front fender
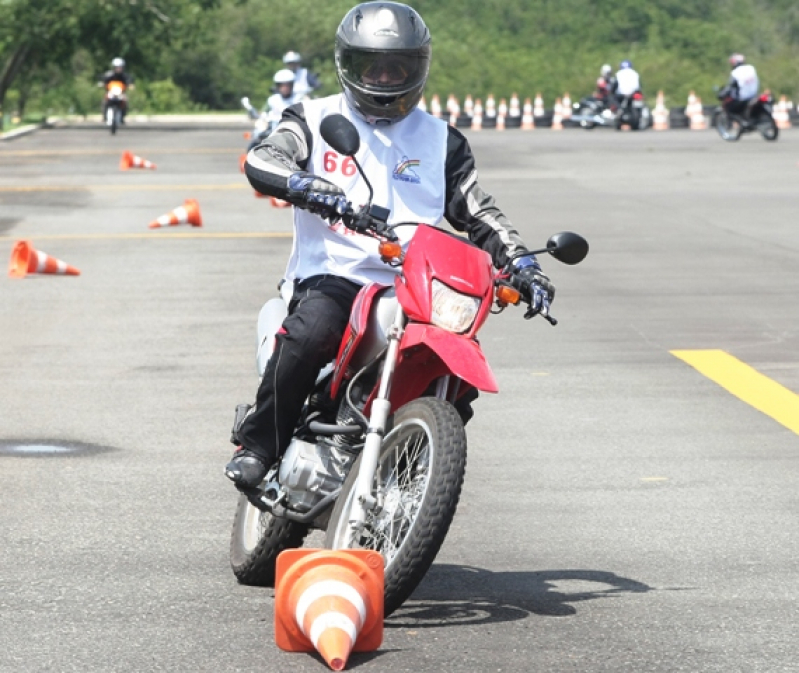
(461,355)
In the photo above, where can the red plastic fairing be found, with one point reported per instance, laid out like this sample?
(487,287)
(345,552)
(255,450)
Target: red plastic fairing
(638,96)
(433,253)
(461,355)
(359,319)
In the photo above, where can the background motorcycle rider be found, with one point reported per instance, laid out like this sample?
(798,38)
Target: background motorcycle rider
(604,83)
(305,82)
(421,168)
(117,74)
(627,80)
(283,97)
(742,86)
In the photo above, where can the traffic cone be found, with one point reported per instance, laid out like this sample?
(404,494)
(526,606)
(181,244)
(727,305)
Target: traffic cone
(435,106)
(528,123)
(538,106)
(514,109)
(242,161)
(698,116)
(660,114)
(329,601)
(491,106)
(566,107)
(557,116)
(477,115)
(782,117)
(130,160)
(468,105)
(422,105)
(26,259)
(277,203)
(502,113)
(454,112)
(188,213)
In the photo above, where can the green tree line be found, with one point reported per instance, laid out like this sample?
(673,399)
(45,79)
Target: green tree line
(206,54)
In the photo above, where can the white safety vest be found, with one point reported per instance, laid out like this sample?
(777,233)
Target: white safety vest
(748,84)
(405,163)
(628,82)
(275,105)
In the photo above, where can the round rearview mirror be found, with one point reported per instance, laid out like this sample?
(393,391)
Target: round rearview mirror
(567,247)
(340,133)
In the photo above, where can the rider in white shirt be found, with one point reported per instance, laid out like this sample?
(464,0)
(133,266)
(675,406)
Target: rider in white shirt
(421,168)
(627,80)
(305,82)
(286,94)
(742,87)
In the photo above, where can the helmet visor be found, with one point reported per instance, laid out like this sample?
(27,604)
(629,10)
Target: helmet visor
(385,71)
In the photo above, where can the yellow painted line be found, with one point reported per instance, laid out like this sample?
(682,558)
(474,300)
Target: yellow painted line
(153,235)
(70,188)
(747,384)
(161,152)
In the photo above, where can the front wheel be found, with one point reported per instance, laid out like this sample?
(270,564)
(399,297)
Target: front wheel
(418,482)
(728,129)
(584,113)
(257,539)
(768,127)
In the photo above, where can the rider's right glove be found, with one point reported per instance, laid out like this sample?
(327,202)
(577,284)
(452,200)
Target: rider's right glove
(317,195)
(536,288)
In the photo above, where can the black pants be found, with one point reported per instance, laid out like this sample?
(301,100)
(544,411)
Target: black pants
(308,340)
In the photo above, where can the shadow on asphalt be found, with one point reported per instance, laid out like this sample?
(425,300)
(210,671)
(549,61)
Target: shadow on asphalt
(453,595)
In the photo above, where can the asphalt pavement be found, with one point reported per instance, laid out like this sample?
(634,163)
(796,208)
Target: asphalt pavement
(623,510)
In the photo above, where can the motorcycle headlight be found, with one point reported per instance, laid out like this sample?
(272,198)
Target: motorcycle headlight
(452,311)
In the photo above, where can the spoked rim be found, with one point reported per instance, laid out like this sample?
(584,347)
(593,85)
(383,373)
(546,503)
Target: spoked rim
(253,527)
(403,476)
(724,125)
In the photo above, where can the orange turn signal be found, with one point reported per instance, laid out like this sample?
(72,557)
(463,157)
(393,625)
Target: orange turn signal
(390,249)
(508,295)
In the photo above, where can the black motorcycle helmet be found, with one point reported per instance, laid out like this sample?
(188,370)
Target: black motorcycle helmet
(382,60)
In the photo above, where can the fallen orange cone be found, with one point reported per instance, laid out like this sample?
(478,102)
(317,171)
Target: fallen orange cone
(130,160)
(242,161)
(279,203)
(329,601)
(188,213)
(26,259)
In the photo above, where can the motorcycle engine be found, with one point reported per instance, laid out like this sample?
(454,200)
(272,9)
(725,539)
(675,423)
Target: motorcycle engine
(309,472)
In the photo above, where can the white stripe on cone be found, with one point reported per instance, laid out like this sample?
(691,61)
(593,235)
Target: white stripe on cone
(332,620)
(41,261)
(329,588)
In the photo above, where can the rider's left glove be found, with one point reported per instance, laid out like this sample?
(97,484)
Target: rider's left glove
(535,286)
(320,196)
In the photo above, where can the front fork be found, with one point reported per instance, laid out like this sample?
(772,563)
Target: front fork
(378,420)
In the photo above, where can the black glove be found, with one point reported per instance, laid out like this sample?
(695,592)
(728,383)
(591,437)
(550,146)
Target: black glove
(536,288)
(320,196)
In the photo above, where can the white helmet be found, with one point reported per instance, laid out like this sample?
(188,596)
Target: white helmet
(284,76)
(118,63)
(291,57)
(605,70)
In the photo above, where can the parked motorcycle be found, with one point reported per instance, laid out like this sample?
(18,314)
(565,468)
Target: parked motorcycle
(115,103)
(760,118)
(379,455)
(633,112)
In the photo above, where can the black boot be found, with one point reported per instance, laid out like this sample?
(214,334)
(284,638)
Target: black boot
(247,469)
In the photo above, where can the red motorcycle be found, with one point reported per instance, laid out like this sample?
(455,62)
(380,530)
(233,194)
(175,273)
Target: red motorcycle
(379,456)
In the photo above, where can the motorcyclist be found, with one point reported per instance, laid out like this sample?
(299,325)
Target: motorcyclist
(627,81)
(603,86)
(742,87)
(117,73)
(283,97)
(305,82)
(421,168)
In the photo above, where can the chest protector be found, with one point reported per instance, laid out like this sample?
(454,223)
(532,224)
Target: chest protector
(404,162)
